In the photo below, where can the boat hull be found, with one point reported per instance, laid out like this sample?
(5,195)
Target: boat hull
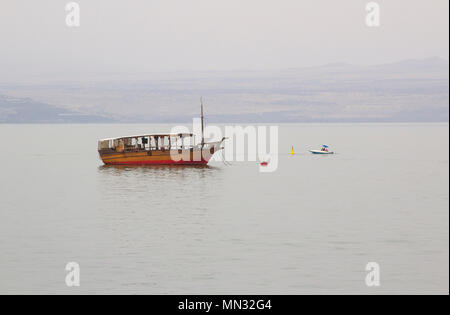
(157,157)
(167,162)
(320,152)
(162,162)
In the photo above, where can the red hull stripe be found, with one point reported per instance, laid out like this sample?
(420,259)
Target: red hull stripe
(162,162)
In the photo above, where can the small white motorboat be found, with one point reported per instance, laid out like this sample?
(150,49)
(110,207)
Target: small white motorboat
(324,150)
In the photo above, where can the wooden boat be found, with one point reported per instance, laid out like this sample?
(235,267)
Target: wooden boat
(158,149)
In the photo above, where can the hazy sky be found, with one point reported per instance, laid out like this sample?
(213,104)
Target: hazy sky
(118,36)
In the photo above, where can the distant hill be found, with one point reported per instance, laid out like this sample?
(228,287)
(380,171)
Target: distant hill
(406,91)
(25,110)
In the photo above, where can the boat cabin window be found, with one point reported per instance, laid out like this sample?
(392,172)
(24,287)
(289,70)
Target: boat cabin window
(147,143)
(104,144)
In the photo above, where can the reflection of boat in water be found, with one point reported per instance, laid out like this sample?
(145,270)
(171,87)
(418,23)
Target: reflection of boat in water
(323,150)
(158,149)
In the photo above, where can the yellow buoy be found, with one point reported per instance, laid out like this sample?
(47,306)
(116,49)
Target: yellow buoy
(292,151)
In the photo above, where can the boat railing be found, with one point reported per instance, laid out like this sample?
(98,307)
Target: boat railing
(140,148)
(163,148)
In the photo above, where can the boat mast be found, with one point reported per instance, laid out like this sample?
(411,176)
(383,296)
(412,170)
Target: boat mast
(203,126)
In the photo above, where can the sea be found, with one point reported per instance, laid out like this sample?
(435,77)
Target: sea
(315,225)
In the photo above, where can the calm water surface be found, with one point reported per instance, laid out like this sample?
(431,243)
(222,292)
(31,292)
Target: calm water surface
(310,227)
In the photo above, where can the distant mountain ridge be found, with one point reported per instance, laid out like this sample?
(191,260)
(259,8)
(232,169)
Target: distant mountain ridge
(410,90)
(25,110)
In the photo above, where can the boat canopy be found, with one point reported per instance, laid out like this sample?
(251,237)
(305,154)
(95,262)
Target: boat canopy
(147,142)
(159,135)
